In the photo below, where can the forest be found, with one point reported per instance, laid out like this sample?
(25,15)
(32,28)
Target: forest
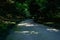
(12,12)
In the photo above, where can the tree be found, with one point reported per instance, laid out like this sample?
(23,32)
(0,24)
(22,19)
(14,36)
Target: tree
(34,9)
(20,1)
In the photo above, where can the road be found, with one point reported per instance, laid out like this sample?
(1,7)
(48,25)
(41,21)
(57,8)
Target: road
(29,30)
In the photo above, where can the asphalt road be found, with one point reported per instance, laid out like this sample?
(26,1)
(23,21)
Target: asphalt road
(28,30)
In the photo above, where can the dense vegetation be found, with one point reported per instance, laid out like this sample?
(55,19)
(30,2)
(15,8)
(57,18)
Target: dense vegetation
(42,11)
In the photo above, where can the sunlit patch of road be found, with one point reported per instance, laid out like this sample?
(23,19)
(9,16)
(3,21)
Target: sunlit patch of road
(52,29)
(27,32)
(25,24)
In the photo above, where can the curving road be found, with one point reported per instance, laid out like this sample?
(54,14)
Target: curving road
(28,30)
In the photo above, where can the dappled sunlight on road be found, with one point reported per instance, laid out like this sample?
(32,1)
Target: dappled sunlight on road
(52,29)
(25,24)
(28,30)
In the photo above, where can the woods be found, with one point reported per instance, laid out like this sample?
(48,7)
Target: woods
(41,11)
(33,8)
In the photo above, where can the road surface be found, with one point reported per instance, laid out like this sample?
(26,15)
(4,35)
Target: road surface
(28,30)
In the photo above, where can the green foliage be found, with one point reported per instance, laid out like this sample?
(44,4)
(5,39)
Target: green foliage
(3,26)
(41,3)
(23,8)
